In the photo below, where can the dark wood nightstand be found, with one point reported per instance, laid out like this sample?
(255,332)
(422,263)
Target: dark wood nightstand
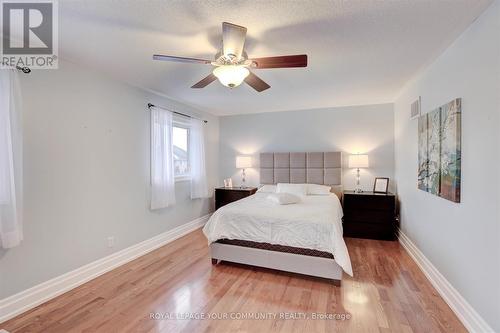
(226,195)
(369,215)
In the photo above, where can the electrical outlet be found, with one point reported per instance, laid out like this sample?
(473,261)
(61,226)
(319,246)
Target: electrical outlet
(111,241)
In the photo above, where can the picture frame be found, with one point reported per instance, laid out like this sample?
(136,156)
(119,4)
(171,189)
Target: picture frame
(381,185)
(228,182)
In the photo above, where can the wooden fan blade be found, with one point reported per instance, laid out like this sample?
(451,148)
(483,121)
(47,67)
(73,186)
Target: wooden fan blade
(299,60)
(256,82)
(180,59)
(233,39)
(205,81)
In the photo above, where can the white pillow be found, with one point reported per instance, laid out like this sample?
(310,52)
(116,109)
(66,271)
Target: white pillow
(283,198)
(315,189)
(297,189)
(267,189)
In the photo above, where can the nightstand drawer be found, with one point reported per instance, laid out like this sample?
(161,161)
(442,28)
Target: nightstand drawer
(369,216)
(224,196)
(369,202)
(369,230)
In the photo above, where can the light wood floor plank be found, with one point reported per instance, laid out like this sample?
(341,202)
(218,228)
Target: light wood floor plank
(388,294)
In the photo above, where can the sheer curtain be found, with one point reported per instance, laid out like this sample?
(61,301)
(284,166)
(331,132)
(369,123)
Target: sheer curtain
(162,159)
(11,232)
(199,185)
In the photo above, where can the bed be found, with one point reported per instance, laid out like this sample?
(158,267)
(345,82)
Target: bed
(304,238)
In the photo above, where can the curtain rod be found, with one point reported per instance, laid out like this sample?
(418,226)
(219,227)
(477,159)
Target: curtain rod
(179,113)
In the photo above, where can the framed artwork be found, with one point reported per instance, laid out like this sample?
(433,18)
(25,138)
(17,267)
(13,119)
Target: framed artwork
(423,157)
(439,151)
(381,185)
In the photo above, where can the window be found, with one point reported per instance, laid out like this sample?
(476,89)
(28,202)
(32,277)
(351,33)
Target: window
(181,153)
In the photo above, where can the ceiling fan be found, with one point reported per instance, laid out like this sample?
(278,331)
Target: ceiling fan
(232,63)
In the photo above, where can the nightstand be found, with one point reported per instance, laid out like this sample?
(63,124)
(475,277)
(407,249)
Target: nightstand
(226,195)
(369,215)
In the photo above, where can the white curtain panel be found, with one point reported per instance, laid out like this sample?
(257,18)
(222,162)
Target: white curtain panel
(11,232)
(199,184)
(162,159)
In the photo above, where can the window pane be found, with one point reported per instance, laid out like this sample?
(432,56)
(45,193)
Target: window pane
(180,138)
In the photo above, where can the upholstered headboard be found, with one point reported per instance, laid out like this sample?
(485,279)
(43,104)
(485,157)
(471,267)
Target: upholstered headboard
(300,168)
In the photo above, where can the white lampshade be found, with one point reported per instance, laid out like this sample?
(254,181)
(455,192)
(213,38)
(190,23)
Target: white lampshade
(243,162)
(231,75)
(358,161)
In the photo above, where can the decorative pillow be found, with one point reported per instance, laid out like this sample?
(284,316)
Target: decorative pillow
(297,189)
(315,189)
(283,198)
(267,189)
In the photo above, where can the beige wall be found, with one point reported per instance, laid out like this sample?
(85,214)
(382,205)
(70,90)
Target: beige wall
(461,240)
(86,174)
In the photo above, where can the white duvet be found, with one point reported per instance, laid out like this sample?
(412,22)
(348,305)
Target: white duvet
(314,223)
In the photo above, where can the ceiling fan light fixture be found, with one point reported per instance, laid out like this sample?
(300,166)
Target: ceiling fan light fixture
(232,63)
(231,75)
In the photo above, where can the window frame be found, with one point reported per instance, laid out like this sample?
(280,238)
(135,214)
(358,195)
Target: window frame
(182,123)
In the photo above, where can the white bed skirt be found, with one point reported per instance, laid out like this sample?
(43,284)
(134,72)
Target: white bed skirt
(289,262)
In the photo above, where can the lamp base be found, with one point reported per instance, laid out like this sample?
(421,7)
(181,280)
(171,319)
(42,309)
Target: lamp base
(243,185)
(358,186)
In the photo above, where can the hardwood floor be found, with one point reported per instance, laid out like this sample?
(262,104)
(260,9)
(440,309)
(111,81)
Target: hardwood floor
(387,294)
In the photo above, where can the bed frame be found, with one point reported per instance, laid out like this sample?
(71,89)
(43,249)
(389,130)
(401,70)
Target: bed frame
(299,168)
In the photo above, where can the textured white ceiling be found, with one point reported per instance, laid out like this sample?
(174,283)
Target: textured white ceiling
(360,52)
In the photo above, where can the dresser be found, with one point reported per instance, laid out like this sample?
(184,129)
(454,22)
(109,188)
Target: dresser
(226,195)
(369,215)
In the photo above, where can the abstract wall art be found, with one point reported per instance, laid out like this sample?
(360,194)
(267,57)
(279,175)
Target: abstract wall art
(439,151)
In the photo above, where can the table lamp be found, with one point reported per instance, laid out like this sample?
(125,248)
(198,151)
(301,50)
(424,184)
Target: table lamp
(243,162)
(358,161)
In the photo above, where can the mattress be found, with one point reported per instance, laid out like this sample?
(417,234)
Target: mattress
(312,224)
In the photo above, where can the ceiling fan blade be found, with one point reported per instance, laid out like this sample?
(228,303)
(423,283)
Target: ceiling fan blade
(233,39)
(256,82)
(180,59)
(205,81)
(299,60)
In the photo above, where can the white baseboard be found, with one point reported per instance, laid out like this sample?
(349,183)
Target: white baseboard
(28,299)
(464,311)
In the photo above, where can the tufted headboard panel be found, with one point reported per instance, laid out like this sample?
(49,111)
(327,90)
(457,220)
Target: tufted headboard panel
(301,168)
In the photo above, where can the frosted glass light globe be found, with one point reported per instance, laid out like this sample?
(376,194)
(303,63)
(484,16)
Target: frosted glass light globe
(231,75)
